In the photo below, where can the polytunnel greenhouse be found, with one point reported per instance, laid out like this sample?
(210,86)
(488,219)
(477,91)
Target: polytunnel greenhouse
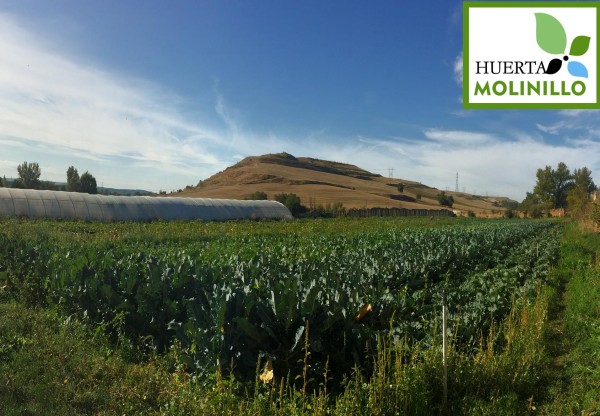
(72,205)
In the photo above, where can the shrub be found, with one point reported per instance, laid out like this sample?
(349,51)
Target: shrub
(257,196)
(292,202)
(445,200)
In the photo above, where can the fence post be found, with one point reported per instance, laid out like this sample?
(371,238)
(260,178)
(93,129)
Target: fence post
(445,346)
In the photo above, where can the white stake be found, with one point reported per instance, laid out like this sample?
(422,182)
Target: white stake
(445,346)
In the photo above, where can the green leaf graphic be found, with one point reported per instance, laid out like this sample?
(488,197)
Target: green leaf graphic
(580,45)
(550,34)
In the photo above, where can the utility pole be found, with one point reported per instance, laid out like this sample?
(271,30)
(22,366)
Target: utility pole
(456,188)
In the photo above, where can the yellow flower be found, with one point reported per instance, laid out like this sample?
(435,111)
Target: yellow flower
(267,374)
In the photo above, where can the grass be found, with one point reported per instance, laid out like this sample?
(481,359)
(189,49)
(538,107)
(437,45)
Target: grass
(49,366)
(573,379)
(46,367)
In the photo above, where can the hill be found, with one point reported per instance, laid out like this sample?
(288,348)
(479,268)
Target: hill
(321,182)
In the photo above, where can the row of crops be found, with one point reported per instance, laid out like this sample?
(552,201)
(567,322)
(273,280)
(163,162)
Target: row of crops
(230,298)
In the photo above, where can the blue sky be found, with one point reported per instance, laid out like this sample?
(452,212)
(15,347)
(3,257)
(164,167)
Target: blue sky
(160,94)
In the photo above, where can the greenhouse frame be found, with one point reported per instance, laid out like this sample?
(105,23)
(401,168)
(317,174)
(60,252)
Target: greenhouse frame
(33,203)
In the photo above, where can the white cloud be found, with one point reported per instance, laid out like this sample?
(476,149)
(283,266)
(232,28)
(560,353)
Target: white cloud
(49,100)
(458,137)
(503,166)
(552,128)
(458,69)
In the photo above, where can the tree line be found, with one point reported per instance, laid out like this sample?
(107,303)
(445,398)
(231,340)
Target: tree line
(559,188)
(29,178)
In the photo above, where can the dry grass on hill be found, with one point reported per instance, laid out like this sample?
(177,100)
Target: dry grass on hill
(320,182)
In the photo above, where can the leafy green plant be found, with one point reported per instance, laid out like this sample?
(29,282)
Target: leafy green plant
(235,297)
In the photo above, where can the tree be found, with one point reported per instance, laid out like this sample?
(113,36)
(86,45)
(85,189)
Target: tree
(559,189)
(543,191)
(580,191)
(582,179)
(532,205)
(257,196)
(292,202)
(3,182)
(73,184)
(88,183)
(445,200)
(563,182)
(552,186)
(29,175)
(400,188)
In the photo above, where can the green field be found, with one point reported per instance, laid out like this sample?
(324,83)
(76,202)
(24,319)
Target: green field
(302,317)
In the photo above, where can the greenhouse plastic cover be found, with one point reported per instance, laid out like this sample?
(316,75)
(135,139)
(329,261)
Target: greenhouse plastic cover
(72,205)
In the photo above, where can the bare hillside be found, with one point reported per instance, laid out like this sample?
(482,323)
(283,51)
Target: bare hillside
(321,182)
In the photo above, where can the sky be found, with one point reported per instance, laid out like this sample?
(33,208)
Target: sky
(158,95)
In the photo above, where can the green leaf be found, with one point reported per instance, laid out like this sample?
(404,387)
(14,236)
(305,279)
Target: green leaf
(297,337)
(249,329)
(580,45)
(550,34)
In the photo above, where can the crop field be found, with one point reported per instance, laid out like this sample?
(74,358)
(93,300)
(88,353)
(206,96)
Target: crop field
(230,293)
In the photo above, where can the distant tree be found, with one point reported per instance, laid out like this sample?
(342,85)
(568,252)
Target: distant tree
(563,181)
(292,202)
(400,187)
(552,186)
(88,183)
(582,178)
(73,184)
(580,191)
(509,204)
(257,196)
(558,188)
(445,200)
(3,182)
(544,189)
(51,186)
(29,175)
(532,205)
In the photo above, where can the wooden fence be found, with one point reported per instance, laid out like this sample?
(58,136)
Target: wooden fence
(394,212)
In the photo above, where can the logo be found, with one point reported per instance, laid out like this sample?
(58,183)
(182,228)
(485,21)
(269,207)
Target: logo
(552,38)
(531,55)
